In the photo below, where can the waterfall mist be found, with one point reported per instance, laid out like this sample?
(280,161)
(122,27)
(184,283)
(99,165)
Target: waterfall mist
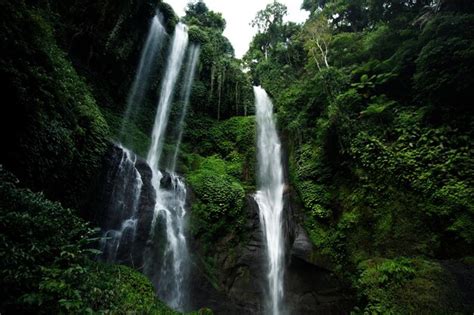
(175,60)
(121,229)
(269,196)
(146,67)
(162,253)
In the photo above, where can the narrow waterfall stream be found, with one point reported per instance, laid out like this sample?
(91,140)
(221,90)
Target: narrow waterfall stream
(164,254)
(269,196)
(193,58)
(146,66)
(121,229)
(171,202)
(175,60)
(128,180)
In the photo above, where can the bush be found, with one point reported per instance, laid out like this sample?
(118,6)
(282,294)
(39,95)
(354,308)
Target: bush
(55,133)
(95,287)
(46,266)
(406,286)
(217,214)
(316,199)
(233,140)
(34,233)
(220,192)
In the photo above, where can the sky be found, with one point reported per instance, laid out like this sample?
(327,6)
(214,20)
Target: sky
(238,15)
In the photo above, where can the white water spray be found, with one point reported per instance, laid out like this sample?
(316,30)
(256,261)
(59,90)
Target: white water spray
(123,229)
(269,196)
(193,58)
(175,60)
(170,203)
(146,66)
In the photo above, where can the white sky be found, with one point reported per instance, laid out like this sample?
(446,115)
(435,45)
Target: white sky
(238,15)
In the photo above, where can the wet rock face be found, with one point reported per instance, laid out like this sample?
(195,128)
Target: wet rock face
(119,200)
(239,289)
(166,181)
(244,282)
(240,285)
(109,171)
(126,212)
(309,288)
(146,206)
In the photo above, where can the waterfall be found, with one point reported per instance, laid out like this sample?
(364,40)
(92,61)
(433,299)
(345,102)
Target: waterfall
(170,202)
(175,60)
(123,210)
(163,252)
(269,196)
(193,57)
(176,257)
(173,276)
(146,66)
(127,182)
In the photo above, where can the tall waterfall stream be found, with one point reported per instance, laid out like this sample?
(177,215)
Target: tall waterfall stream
(269,196)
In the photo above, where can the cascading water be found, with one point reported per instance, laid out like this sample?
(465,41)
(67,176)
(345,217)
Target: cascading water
(176,257)
(193,57)
(175,60)
(170,203)
(123,222)
(269,196)
(127,183)
(164,253)
(146,66)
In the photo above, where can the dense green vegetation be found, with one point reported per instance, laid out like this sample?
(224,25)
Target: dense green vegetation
(220,171)
(47,262)
(56,137)
(373,101)
(375,107)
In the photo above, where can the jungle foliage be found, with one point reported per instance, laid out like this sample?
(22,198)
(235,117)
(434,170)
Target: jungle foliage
(374,98)
(48,266)
(221,89)
(56,137)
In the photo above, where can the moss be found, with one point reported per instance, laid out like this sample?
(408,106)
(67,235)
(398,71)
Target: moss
(233,140)
(220,178)
(217,215)
(406,286)
(138,141)
(219,207)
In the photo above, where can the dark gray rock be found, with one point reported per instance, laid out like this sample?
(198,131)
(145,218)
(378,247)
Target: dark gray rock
(166,182)
(302,246)
(463,290)
(240,283)
(309,288)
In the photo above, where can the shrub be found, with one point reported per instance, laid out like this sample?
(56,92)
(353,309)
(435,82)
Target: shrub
(46,264)
(56,134)
(220,192)
(405,286)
